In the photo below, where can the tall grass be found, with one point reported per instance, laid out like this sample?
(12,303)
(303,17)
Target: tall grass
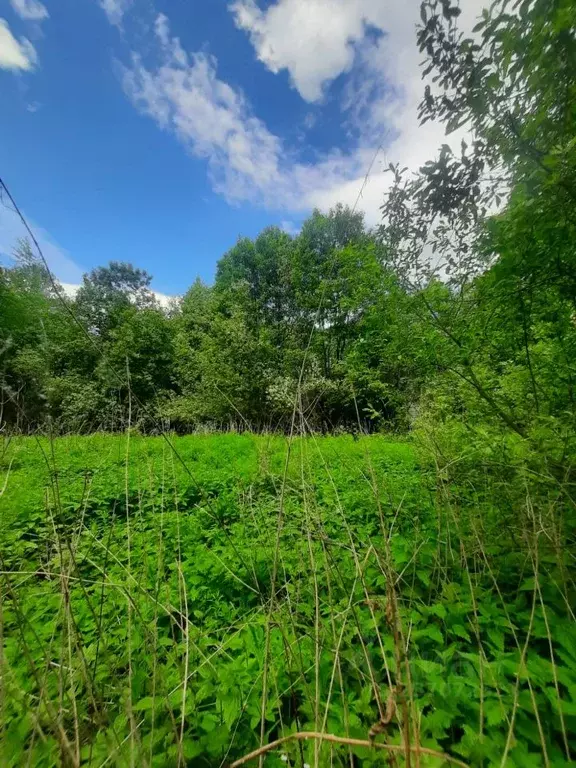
(320,601)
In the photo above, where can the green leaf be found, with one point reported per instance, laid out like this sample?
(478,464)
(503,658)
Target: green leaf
(144,704)
(438,609)
(494,711)
(497,638)
(461,631)
(430,632)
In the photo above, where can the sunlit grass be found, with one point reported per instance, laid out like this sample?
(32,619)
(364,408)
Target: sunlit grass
(149,593)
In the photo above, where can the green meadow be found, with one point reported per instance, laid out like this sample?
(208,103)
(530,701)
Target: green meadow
(185,601)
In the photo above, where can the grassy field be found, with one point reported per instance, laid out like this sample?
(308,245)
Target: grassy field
(185,605)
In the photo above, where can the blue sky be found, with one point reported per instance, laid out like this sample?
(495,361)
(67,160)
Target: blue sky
(158,131)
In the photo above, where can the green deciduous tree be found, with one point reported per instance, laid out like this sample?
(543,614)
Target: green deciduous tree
(106,292)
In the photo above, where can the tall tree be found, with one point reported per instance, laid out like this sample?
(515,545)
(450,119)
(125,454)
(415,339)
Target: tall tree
(494,334)
(107,292)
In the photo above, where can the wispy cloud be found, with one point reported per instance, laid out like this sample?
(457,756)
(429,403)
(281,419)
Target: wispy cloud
(115,10)
(246,161)
(185,96)
(15,55)
(315,41)
(30,10)
(319,40)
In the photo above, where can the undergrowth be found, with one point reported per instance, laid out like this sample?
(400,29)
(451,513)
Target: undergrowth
(171,609)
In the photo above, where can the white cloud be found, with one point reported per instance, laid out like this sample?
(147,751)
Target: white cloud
(30,10)
(13,54)
(70,289)
(115,10)
(382,98)
(312,39)
(246,161)
(317,40)
(290,228)
(186,97)
(171,46)
(165,301)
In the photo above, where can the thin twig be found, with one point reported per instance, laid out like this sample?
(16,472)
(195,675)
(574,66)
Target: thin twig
(303,735)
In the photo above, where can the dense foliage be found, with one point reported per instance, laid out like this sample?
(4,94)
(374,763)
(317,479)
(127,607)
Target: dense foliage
(159,613)
(445,295)
(184,600)
(281,309)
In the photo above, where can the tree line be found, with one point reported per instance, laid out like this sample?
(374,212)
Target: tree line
(284,315)
(459,308)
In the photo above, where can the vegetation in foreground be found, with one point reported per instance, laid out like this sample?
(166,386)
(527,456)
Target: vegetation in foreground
(183,601)
(157,615)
